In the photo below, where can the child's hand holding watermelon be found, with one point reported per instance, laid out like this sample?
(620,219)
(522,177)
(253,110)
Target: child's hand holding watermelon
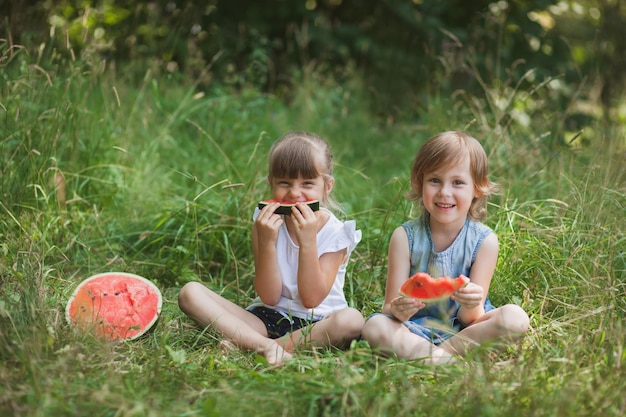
(403,308)
(469,296)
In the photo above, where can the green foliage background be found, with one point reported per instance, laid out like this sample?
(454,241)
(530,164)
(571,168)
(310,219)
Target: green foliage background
(405,51)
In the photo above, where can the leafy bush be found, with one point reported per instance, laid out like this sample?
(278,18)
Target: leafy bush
(406,52)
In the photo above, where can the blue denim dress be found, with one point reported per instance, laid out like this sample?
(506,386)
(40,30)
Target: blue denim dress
(437,322)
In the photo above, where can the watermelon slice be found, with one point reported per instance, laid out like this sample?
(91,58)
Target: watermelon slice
(428,289)
(115,305)
(285,206)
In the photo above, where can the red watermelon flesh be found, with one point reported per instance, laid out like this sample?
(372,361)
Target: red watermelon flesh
(115,305)
(285,206)
(428,289)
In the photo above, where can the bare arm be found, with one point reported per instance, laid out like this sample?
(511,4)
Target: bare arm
(267,279)
(398,269)
(316,275)
(472,297)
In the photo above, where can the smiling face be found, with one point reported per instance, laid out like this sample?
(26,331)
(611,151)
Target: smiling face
(294,190)
(448,154)
(448,193)
(300,168)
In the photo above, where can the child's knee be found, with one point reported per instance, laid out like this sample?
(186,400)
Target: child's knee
(375,329)
(513,320)
(349,321)
(186,294)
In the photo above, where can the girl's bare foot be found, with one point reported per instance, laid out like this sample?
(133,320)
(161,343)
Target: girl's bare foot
(275,354)
(441,360)
(226,346)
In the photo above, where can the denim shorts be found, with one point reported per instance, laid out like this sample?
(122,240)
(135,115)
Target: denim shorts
(278,323)
(435,330)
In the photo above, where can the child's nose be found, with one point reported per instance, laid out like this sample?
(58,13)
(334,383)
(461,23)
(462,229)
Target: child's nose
(295,192)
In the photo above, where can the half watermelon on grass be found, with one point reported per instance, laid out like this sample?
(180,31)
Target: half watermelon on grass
(115,305)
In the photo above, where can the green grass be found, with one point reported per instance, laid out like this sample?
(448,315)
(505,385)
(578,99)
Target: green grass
(161,181)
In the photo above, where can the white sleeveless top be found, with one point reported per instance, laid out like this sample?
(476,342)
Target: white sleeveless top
(334,236)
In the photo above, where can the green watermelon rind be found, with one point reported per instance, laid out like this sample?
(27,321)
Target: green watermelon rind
(145,281)
(285,208)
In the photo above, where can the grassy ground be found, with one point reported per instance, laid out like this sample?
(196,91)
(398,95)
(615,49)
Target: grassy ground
(100,174)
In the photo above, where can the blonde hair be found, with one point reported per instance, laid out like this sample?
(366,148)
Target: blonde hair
(302,154)
(446,149)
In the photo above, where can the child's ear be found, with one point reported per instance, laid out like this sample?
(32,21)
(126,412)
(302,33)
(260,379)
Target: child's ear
(330,183)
